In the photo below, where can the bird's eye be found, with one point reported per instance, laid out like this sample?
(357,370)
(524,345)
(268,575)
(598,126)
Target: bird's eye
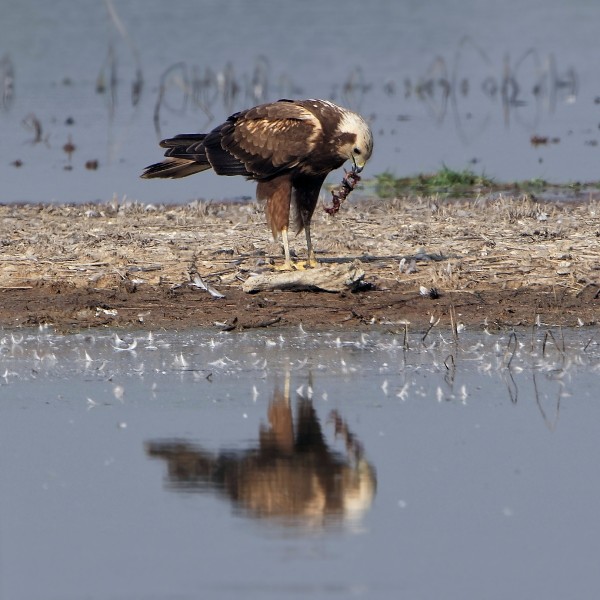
(357,151)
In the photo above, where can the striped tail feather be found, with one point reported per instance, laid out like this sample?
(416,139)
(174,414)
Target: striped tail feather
(186,156)
(174,168)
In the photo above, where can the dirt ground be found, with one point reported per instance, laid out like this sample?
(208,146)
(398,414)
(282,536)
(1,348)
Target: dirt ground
(494,262)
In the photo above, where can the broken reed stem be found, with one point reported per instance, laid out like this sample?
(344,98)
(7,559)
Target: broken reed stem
(451,370)
(511,386)
(432,324)
(533,326)
(562,339)
(138,82)
(453,322)
(550,335)
(511,338)
(587,345)
(549,424)
(405,340)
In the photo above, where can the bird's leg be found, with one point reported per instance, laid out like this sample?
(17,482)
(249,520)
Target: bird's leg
(311,263)
(286,248)
(287,265)
(306,216)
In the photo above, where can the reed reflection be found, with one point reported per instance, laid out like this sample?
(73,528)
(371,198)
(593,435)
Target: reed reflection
(292,474)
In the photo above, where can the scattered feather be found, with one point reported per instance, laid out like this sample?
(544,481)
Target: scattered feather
(198,282)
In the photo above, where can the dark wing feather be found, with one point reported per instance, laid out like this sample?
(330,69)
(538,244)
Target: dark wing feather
(222,161)
(270,138)
(186,145)
(259,143)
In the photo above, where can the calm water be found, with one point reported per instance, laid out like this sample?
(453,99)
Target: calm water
(465,83)
(294,465)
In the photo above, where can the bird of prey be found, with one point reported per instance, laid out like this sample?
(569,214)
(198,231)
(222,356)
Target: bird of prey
(288,147)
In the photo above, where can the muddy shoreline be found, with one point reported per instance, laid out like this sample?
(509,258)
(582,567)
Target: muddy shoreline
(496,262)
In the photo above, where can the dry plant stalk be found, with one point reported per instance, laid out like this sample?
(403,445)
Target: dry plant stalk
(88,244)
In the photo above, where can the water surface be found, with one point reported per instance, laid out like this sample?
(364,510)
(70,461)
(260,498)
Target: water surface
(290,464)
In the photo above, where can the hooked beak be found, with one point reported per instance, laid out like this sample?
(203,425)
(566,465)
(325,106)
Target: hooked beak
(356,167)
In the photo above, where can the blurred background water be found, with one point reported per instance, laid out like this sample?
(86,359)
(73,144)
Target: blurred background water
(465,83)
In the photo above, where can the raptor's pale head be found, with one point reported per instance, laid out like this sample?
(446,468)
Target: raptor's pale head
(357,138)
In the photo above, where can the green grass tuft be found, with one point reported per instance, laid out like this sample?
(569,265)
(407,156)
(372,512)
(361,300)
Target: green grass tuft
(444,181)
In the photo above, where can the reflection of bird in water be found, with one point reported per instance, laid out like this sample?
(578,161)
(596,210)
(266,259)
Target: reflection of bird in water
(288,147)
(293,475)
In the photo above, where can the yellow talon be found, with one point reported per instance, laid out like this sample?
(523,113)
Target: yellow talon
(296,266)
(286,266)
